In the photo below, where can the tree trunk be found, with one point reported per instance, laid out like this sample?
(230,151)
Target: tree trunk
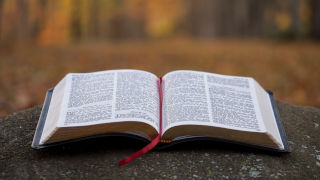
(315,19)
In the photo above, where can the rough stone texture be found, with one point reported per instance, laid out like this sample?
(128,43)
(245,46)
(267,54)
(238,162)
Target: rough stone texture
(97,159)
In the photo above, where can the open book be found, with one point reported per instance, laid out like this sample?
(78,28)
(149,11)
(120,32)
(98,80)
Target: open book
(186,105)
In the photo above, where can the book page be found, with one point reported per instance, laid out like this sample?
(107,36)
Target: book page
(184,99)
(110,96)
(199,98)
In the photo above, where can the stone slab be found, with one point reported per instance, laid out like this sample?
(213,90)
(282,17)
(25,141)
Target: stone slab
(97,159)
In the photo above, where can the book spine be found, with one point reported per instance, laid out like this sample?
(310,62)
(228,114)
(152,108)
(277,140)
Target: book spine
(42,119)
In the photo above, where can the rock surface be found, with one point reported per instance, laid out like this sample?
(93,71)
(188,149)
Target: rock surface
(97,159)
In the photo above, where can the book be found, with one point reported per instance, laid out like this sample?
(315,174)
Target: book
(181,106)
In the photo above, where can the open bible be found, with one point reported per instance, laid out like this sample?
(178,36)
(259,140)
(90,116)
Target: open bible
(181,106)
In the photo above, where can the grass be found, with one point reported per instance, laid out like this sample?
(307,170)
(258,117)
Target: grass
(290,69)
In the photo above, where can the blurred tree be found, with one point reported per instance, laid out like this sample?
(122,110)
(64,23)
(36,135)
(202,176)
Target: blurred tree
(1,13)
(200,11)
(163,16)
(9,21)
(295,25)
(315,18)
(56,29)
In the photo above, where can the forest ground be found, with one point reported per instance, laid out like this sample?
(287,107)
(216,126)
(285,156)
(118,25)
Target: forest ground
(291,69)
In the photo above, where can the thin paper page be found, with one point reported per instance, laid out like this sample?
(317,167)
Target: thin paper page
(233,102)
(137,96)
(90,99)
(198,98)
(184,99)
(111,96)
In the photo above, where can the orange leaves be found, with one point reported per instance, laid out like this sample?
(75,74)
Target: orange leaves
(56,30)
(163,17)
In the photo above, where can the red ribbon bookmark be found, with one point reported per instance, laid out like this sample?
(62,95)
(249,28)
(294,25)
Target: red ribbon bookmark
(144,150)
(154,142)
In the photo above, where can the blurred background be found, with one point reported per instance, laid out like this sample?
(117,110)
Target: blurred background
(274,41)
